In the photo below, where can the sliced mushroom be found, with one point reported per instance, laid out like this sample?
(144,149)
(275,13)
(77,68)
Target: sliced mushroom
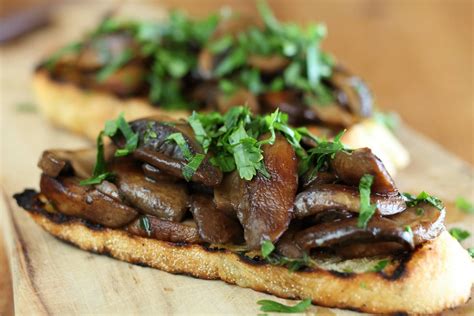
(163,199)
(323,197)
(228,195)
(268,64)
(288,101)
(321,177)
(80,162)
(126,81)
(267,205)
(287,246)
(70,198)
(156,174)
(241,97)
(351,92)
(334,115)
(215,226)
(153,227)
(350,167)
(98,51)
(345,232)
(166,155)
(425,221)
(367,250)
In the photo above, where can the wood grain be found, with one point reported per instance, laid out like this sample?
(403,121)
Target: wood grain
(51,277)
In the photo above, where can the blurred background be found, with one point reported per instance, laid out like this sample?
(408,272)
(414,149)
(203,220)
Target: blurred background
(416,55)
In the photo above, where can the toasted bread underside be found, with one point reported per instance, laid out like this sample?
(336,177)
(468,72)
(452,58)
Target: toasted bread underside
(85,112)
(437,276)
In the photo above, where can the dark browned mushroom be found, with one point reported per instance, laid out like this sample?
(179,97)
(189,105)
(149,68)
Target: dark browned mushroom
(153,227)
(167,156)
(350,167)
(266,207)
(70,198)
(242,96)
(80,162)
(228,195)
(163,199)
(351,92)
(215,226)
(156,174)
(268,64)
(345,232)
(288,101)
(322,197)
(127,80)
(425,221)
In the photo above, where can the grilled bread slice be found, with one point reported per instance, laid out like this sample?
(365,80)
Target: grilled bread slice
(84,112)
(436,276)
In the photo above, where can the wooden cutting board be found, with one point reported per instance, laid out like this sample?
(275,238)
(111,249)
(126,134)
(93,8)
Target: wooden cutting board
(51,277)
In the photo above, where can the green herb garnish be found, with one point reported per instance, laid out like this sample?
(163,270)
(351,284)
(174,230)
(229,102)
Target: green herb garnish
(145,225)
(51,62)
(26,107)
(194,161)
(275,307)
(471,251)
(366,209)
(114,65)
(412,200)
(464,205)
(99,173)
(267,248)
(459,234)
(379,266)
(409,230)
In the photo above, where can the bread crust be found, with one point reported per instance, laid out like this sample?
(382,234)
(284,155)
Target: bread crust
(84,112)
(437,276)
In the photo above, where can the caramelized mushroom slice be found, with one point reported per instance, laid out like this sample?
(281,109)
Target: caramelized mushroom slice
(166,155)
(242,96)
(98,51)
(345,232)
(268,64)
(287,247)
(80,162)
(367,250)
(126,81)
(288,101)
(153,227)
(163,199)
(350,167)
(323,197)
(156,174)
(215,226)
(229,194)
(266,207)
(70,198)
(425,221)
(351,92)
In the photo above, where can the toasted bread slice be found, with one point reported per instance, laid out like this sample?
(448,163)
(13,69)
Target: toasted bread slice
(84,112)
(436,276)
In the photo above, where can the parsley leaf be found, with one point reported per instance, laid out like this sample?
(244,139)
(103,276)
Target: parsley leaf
(194,161)
(145,224)
(131,138)
(366,210)
(267,248)
(471,251)
(114,65)
(99,173)
(272,306)
(380,265)
(464,205)
(412,200)
(459,234)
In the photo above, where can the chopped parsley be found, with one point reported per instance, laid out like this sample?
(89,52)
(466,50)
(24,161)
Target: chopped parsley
(459,234)
(379,266)
(111,128)
(292,264)
(113,65)
(471,251)
(26,107)
(99,173)
(409,230)
(366,209)
(267,248)
(275,307)
(464,205)
(412,200)
(145,224)
(194,161)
